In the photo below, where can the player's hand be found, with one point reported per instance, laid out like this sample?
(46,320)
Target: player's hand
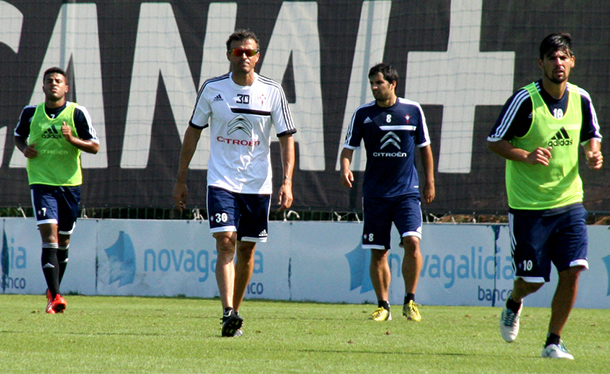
(285,197)
(429,193)
(30,151)
(595,160)
(347,178)
(66,131)
(180,195)
(540,156)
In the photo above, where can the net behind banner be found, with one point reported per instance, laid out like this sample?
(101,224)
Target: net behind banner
(137,68)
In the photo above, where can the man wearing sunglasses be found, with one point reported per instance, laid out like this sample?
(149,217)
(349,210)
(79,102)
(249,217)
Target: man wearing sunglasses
(240,108)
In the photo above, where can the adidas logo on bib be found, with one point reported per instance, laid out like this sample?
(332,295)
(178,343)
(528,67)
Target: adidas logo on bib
(560,139)
(51,133)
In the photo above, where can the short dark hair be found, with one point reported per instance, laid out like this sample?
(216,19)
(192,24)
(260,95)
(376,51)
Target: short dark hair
(389,73)
(556,42)
(241,35)
(54,70)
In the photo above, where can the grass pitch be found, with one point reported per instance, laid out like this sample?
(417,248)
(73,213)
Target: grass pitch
(178,335)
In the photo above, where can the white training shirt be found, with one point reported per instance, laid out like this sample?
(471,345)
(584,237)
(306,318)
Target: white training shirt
(240,119)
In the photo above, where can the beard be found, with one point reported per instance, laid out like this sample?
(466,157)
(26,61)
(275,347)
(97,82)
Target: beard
(557,80)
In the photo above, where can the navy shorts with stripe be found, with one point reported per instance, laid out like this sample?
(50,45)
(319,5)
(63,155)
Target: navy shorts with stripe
(246,214)
(56,205)
(379,214)
(537,241)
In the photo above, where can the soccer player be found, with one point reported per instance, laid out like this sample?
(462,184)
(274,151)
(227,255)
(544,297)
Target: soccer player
(391,127)
(538,133)
(51,136)
(240,108)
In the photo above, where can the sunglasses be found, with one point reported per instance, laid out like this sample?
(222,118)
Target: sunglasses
(238,52)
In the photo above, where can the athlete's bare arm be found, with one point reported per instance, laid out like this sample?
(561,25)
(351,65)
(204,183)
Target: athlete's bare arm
(189,146)
(288,159)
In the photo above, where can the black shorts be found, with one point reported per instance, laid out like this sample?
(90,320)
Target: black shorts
(56,204)
(379,213)
(538,241)
(246,214)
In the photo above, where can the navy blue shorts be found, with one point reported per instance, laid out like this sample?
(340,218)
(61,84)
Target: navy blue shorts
(56,204)
(246,214)
(538,241)
(379,214)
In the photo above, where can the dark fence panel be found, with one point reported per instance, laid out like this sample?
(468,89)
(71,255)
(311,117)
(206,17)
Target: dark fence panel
(139,78)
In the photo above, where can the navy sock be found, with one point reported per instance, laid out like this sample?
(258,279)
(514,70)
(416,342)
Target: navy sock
(383,304)
(50,267)
(512,305)
(62,259)
(409,297)
(552,339)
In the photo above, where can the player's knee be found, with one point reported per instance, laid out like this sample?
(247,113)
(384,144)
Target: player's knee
(246,249)
(64,241)
(571,272)
(225,243)
(411,245)
(378,255)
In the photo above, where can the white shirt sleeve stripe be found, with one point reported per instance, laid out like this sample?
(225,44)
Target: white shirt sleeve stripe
(510,114)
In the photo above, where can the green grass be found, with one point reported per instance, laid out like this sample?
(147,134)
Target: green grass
(179,335)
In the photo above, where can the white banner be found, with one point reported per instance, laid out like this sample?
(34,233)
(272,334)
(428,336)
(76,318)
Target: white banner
(467,264)
(22,248)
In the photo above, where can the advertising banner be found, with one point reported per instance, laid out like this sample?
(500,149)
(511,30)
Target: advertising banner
(177,258)
(21,250)
(466,264)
